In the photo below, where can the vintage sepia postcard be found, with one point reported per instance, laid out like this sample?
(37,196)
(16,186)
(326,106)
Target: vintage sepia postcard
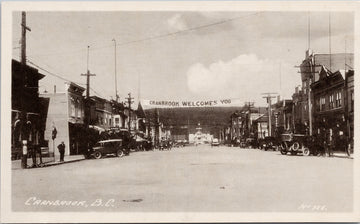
(179,111)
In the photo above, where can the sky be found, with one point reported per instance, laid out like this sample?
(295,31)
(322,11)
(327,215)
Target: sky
(237,55)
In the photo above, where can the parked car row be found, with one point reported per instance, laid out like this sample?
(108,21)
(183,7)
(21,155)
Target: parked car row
(289,143)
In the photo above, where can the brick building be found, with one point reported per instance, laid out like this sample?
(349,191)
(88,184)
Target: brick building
(310,69)
(333,106)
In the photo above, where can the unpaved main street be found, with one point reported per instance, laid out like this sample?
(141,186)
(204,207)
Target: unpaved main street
(186,179)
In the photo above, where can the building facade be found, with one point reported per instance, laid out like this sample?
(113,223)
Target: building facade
(310,69)
(282,117)
(333,105)
(101,114)
(25,106)
(64,111)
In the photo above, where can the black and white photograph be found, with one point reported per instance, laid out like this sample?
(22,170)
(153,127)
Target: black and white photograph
(179,111)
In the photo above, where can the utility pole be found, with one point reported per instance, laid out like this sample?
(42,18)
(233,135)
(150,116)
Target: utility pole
(157,127)
(330,39)
(23,112)
(116,93)
(87,102)
(268,99)
(24,28)
(309,31)
(130,101)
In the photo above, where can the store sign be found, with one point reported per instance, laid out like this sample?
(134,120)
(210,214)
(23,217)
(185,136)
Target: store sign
(197,103)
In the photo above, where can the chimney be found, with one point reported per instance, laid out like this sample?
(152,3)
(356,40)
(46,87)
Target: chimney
(54,89)
(278,98)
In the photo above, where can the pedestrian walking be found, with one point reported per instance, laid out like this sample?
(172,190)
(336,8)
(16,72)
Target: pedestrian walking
(61,148)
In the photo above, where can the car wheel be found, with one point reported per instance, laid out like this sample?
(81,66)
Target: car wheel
(97,155)
(283,152)
(296,146)
(306,151)
(119,153)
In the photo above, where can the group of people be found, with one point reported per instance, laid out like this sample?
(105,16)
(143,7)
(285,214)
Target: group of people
(326,142)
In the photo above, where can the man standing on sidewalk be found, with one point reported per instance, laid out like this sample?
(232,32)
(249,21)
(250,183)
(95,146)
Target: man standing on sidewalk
(61,148)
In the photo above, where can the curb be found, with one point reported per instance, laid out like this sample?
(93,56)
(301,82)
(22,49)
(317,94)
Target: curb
(50,164)
(60,163)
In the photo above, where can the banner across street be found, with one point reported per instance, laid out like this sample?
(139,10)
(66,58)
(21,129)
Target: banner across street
(191,103)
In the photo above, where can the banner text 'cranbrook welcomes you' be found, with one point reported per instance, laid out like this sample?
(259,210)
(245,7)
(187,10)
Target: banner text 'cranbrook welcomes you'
(198,103)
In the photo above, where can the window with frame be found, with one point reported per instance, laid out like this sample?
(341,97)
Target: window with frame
(78,108)
(72,108)
(322,103)
(331,101)
(338,99)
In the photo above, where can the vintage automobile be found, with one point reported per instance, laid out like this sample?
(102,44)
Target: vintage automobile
(235,142)
(251,143)
(295,144)
(242,143)
(215,142)
(269,143)
(106,147)
(179,143)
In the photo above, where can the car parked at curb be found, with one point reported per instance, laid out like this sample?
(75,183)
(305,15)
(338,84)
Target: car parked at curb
(269,143)
(215,142)
(107,147)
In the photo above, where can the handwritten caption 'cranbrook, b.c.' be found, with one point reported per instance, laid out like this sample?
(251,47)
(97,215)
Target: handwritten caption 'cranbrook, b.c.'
(33,201)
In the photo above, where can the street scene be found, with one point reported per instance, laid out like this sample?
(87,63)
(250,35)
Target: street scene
(190,179)
(182,111)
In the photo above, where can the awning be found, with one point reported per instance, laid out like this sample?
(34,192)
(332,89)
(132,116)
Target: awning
(99,129)
(140,139)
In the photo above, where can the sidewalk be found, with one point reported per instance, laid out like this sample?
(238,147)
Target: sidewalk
(48,161)
(339,155)
(342,155)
